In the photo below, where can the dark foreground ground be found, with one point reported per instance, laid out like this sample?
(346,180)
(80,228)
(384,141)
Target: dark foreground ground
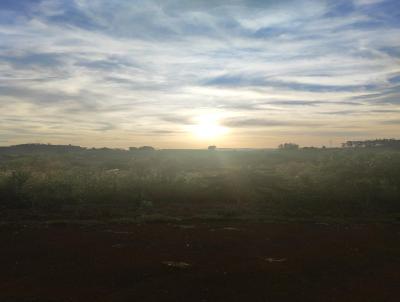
(217,261)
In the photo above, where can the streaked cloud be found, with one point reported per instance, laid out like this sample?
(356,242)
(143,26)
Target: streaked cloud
(123,73)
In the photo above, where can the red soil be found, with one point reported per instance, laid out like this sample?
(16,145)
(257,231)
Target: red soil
(238,261)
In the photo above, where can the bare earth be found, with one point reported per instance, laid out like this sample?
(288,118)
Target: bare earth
(201,261)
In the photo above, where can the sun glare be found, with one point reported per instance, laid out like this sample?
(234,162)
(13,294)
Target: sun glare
(208,126)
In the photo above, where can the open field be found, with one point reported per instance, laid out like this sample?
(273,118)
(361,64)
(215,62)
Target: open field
(200,261)
(48,182)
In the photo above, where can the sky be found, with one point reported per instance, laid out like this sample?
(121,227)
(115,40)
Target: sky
(188,74)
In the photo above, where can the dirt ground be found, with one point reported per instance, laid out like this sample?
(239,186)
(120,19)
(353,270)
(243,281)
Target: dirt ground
(200,261)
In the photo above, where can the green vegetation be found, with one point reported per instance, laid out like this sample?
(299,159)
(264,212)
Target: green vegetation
(117,184)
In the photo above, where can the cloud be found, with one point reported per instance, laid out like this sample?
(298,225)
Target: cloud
(258,122)
(386,95)
(391,122)
(395,79)
(341,112)
(238,81)
(127,68)
(177,119)
(30,60)
(367,2)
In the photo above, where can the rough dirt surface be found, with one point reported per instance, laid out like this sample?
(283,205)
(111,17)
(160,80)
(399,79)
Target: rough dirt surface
(218,261)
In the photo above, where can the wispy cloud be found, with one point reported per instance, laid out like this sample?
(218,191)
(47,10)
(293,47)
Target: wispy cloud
(252,122)
(119,68)
(391,122)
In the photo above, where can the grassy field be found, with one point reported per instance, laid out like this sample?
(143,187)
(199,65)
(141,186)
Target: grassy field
(306,184)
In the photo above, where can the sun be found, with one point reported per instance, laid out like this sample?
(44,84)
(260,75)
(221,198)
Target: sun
(208,126)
